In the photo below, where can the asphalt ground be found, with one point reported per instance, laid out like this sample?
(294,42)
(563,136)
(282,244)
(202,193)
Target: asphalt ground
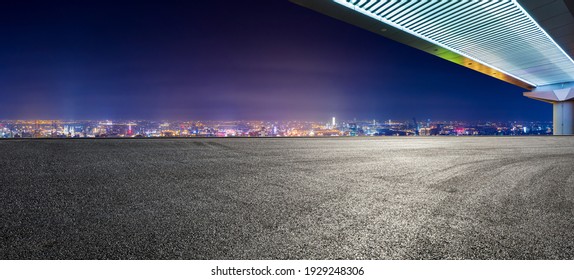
(325,198)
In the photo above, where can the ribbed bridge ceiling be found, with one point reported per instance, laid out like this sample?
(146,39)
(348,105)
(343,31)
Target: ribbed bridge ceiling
(496,33)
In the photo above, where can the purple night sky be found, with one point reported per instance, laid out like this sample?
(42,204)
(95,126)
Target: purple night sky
(251,59)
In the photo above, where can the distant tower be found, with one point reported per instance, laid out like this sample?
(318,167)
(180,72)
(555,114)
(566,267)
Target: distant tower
(54,129)
(334,122)
(416,127)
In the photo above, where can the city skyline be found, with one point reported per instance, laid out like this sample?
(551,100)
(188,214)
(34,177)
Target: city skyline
(260,128)
(206,60)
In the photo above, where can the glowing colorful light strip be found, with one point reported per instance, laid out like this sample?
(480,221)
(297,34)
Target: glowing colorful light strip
(498,34)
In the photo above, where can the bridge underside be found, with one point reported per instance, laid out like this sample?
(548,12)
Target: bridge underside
(528,43)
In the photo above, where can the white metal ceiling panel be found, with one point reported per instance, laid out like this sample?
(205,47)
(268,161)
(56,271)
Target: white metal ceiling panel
(497,33)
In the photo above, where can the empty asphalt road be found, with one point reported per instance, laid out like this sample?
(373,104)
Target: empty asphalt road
(343,198)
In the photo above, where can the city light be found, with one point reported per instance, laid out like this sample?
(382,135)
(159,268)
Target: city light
(153,129)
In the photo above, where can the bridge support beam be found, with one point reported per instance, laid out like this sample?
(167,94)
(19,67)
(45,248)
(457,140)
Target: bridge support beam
(563,102)
(564,118)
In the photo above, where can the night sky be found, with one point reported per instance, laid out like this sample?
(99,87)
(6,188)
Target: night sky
(227,60)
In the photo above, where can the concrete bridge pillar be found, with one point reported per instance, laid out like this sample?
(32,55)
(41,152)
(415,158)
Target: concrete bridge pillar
(564,118)
(563,102)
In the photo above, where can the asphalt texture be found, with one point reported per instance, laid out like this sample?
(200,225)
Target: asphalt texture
(325,198)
